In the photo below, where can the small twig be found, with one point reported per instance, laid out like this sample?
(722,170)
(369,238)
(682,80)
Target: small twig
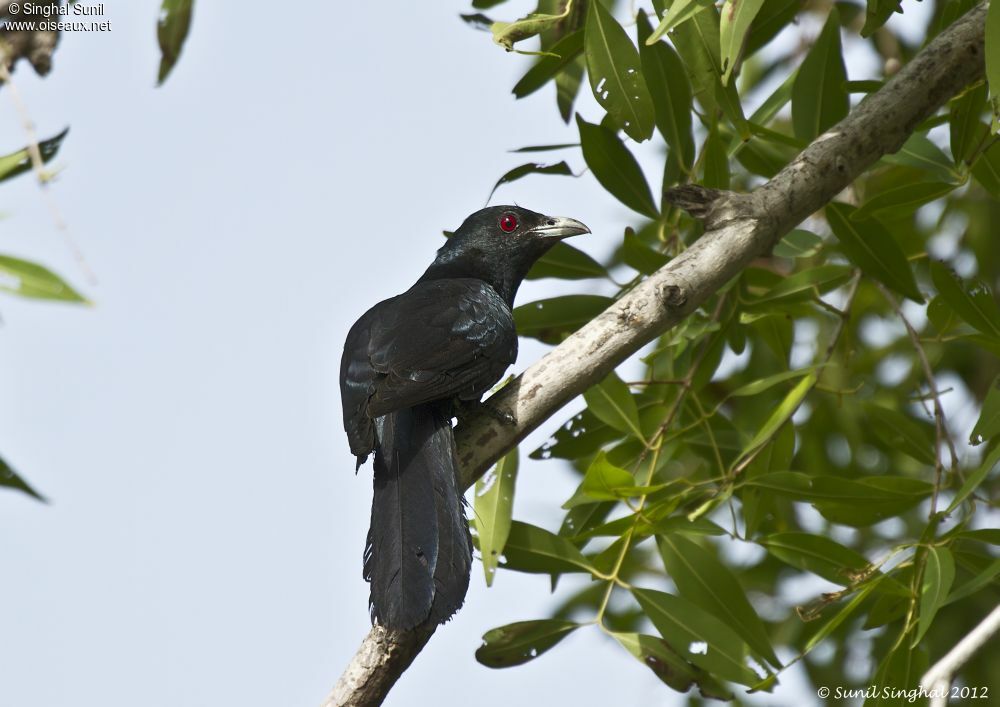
(44,177)
(942,434)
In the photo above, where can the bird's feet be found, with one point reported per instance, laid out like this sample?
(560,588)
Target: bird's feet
(504,417)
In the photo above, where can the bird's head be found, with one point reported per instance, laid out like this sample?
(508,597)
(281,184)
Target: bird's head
(499,244)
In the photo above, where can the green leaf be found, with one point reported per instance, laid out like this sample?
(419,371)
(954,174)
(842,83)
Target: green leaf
(781,414)
(565,262)
(518,643)
(703,580)
(616,74)
(560,55)
(171,31)
(552,320)
(716,163)
(988,424)
(684,626)
(982,579)
(817,554)
(671,93)
(507,34)
(10,479)
(799,243)
(876,14)
(524,170)
(986,169)
(601,483)
(873,249)
(838,618)
(974,303)
(966,129)
(612,402)
(547,148)
(494,504)
(920,153)
(898,676)
(679,11)
(657,655)
(615,168)
(939,573)
(819,94)
(535,550)
(486,4)
(20,162)
(901,201)
(903,433)
(28,279)
(805,284)
(973,480)
(761,384)
(641,257)
(736,18)
(698,44)
(993,57)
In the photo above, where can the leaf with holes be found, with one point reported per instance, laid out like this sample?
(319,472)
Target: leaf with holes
(616,74)
(171,32)
(518,643)
(494,504)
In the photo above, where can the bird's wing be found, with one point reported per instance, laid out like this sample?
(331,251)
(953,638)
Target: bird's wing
(441,339)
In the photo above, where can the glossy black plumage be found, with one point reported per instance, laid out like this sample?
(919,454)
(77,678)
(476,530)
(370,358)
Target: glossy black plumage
(406,362)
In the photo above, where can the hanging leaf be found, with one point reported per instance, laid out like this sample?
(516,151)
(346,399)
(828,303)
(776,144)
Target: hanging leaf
(966,129)
(819,94)
(20,162)
(560,168)
(507,34)
(736,18)
(939,573)
(615,168)
(697,635)
(873,249)
(988,424)
(639,256)
(671,93)
(702,579)
(901,201)
(901,432)
(616,74)
(518,643)
(612,402)
(494,504)
(920,153)
(819,555)
(552,320)
(560,55)
(28,279)
(10,479)
(679,11)
(565,262)
(171,32)
(535,550)
(974,303)
(876,14)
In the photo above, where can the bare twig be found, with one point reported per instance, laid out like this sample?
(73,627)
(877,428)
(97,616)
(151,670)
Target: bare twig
(740,228)
(937,680)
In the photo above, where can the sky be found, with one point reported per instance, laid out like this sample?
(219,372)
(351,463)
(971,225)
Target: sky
(203,538)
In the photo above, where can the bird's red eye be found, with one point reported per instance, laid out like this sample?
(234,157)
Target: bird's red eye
(508,223)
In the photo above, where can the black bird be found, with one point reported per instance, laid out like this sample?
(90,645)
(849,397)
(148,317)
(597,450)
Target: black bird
(409,362)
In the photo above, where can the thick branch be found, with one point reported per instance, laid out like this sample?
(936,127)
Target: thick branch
(740,228)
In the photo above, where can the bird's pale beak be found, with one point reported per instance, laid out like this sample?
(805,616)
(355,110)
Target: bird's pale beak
(560,227)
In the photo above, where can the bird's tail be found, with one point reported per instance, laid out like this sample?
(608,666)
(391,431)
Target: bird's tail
(419,552)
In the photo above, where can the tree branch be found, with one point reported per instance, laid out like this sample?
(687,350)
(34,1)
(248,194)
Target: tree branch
(740,227)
